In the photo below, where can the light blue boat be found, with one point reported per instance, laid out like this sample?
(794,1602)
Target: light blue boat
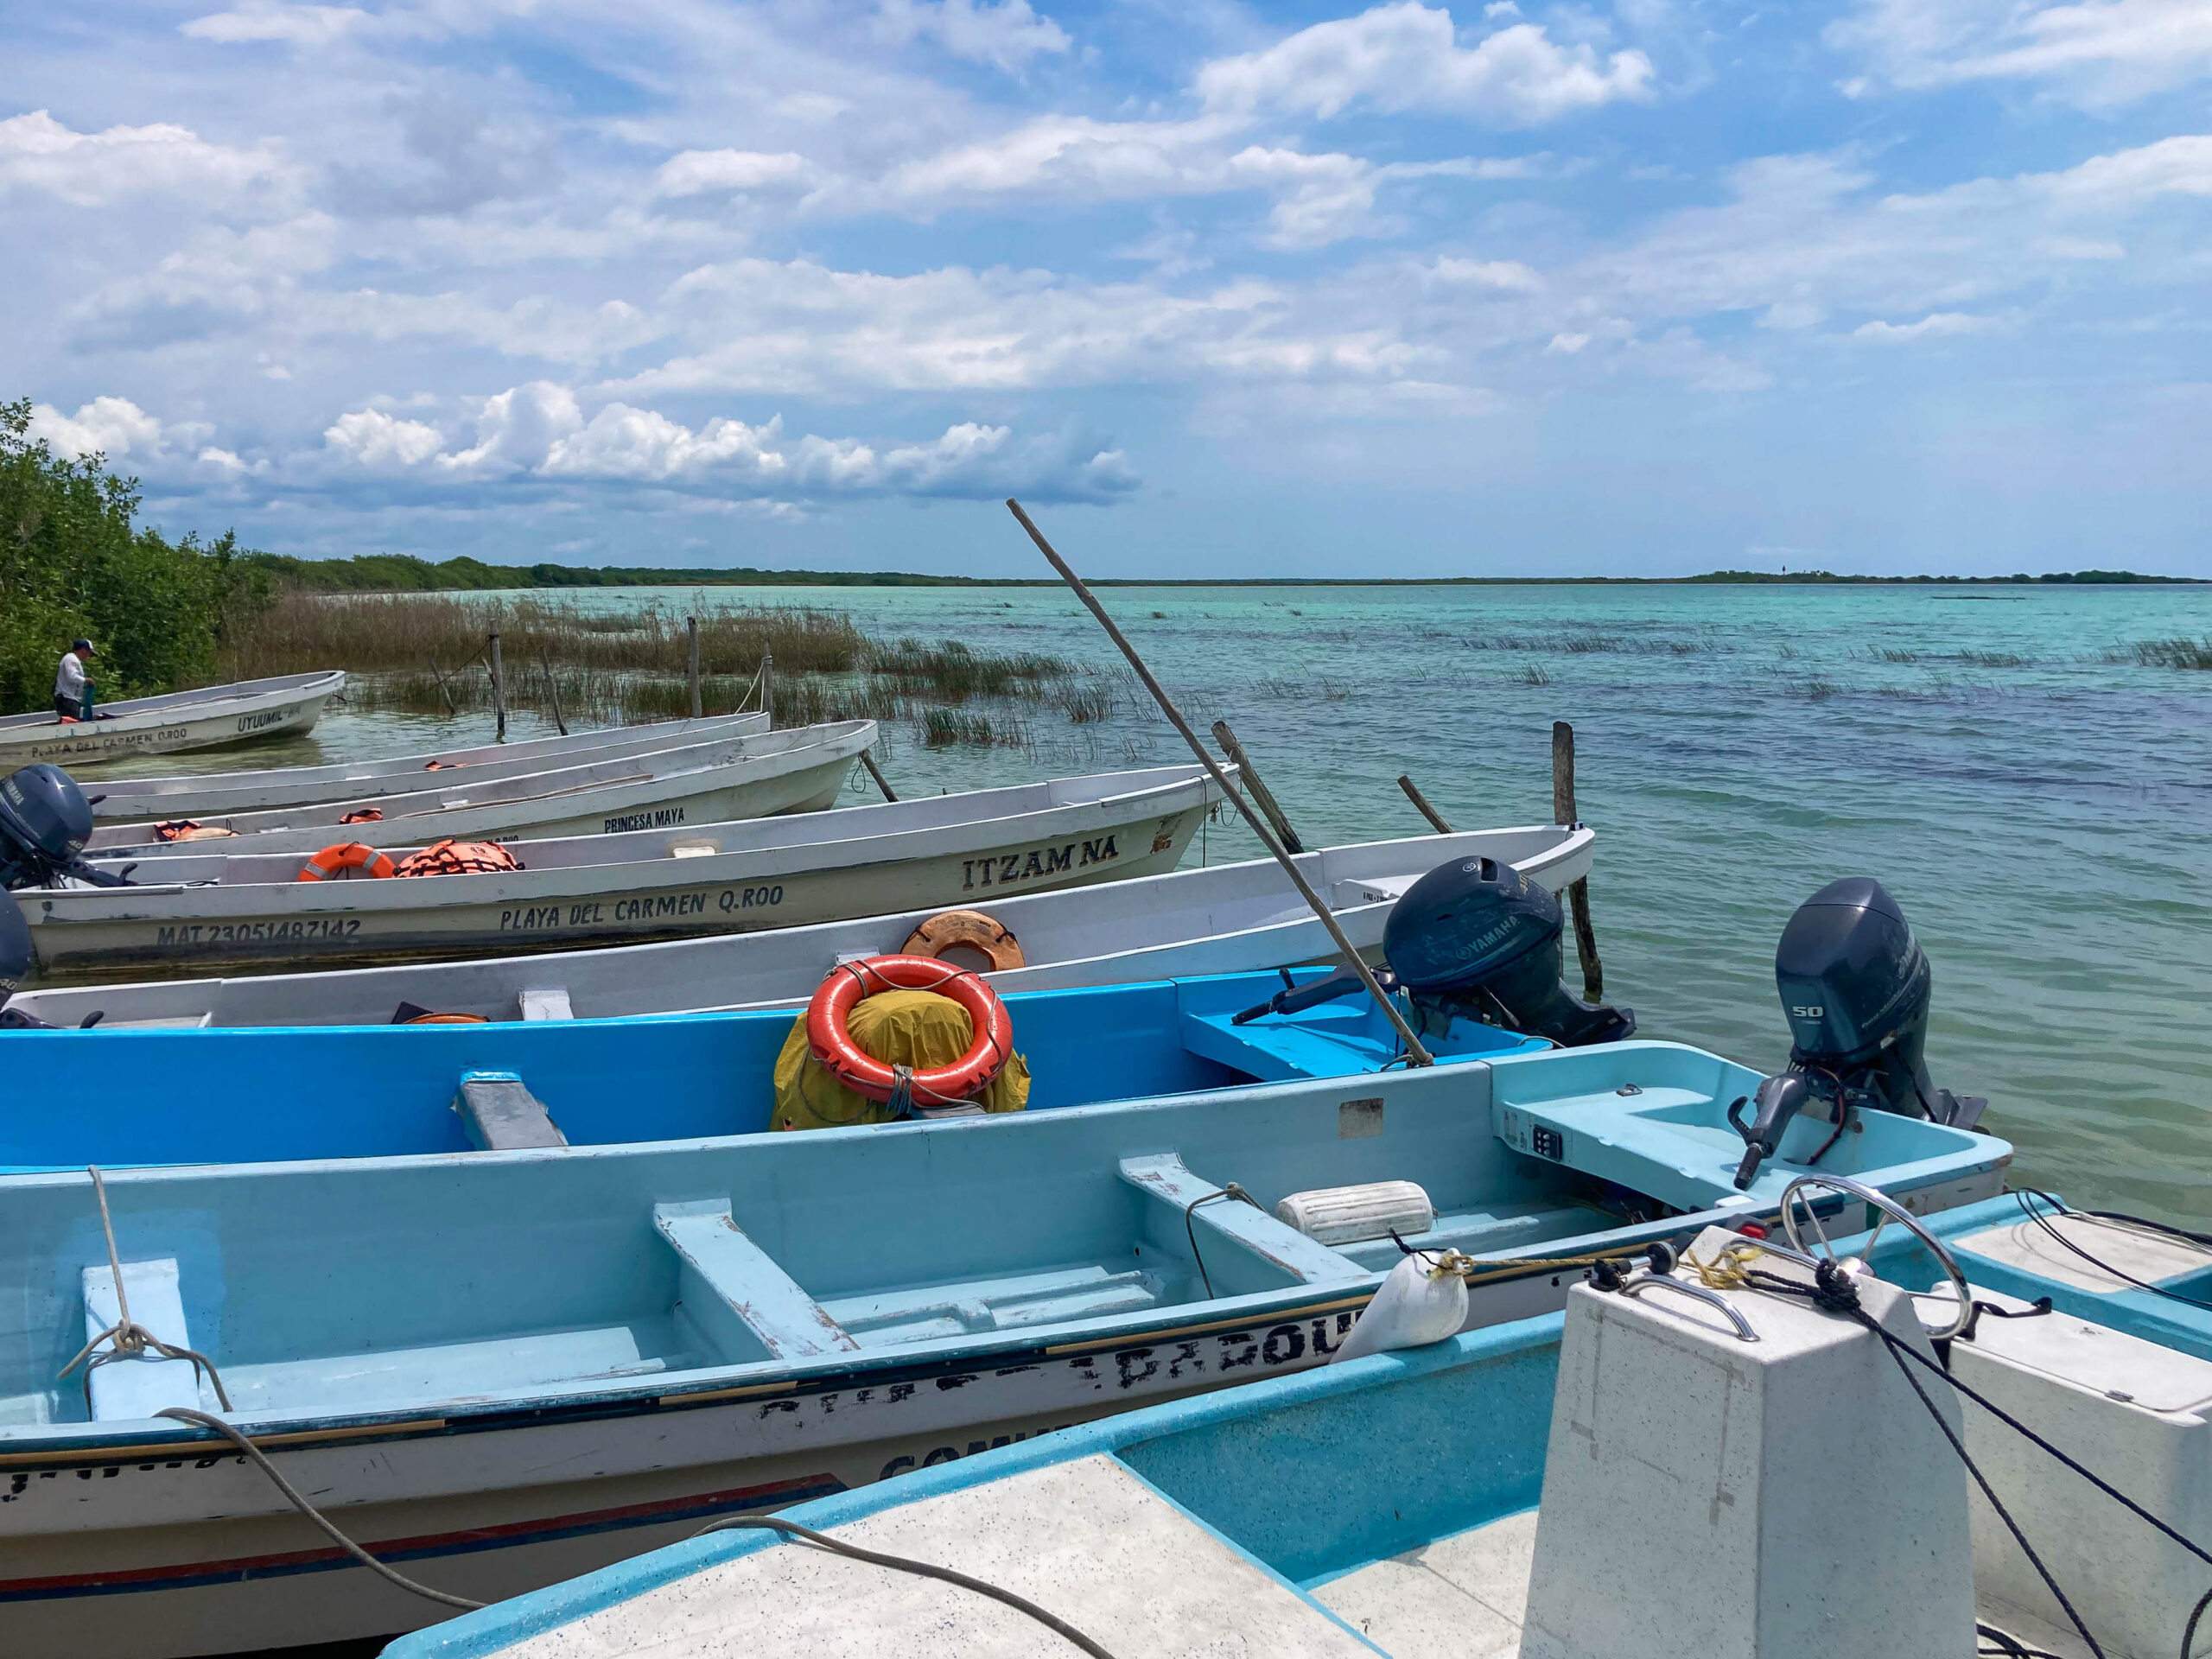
(499,1370)
(246,1095)
(1389,1504)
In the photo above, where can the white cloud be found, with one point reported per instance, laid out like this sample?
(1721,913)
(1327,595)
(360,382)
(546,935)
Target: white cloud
(91,170)
(1406,57)
(114,427)
(537,431)
(268,20)
(2099,53)
(697,172)
(1008,35)
(369,437)
(1935,325)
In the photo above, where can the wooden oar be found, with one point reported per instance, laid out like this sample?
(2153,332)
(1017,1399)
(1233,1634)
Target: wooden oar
(1416,1053)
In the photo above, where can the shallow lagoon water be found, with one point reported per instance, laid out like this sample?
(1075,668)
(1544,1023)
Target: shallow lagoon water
(2043,813)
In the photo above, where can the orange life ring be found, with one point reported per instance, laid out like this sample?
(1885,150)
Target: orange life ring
(348,856)
(445,1019)
(950,929)
(830,1039)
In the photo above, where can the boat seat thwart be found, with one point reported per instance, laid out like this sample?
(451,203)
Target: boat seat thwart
(502,1115)
(1183,1206)
(125,1390)
(733,1293)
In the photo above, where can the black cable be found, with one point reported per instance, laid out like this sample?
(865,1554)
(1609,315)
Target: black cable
(1191,1231)
(2144,1221)
(2021,1195)
(903,1564)
(2188,1635)
(2008,1645)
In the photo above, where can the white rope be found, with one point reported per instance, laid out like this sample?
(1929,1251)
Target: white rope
(126,1337)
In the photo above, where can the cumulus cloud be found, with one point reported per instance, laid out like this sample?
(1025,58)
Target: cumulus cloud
(2095,53)
(1008,35)
(538,432)
(92,169)
(701,172)
(1406,57)
(1935,325)
(114,427)
(268,20)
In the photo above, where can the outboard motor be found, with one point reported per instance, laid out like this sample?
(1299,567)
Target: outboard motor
(45,822)
(1478,938)
(1855,988)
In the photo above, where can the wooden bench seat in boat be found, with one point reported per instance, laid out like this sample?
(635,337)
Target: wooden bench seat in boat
(741,1303)
(502,1115)
(129,1388)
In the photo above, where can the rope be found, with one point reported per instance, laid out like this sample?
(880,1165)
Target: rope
(126,1337)
(230,1432)
(921,1569)
(2043,1221)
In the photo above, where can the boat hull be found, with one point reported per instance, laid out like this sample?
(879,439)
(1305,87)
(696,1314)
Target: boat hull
(194,930)
(1230,918)
(161,1551)
(215,794)
(737,776)
(289,711)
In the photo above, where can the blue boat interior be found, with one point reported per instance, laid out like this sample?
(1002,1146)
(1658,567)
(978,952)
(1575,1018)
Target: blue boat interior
(122,1098)
(350,1289)
(1314,1476)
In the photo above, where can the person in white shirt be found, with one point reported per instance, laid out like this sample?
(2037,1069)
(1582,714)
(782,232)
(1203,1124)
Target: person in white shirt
(70,683)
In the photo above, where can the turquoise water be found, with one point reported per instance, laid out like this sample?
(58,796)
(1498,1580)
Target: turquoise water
(2043,814)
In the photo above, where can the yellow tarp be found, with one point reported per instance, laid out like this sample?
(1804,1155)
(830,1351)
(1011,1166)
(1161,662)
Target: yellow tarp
(913,1028)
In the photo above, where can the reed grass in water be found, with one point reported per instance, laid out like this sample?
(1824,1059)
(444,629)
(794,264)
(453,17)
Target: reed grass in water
(423,653)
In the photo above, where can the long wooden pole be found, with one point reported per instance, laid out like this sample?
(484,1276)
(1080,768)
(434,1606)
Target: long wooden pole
(1416,1054)
(444,691)
(1414,794)
(691,625)
(552,687)
(499,687)
(1247,774)
(1578,893)
(876,772)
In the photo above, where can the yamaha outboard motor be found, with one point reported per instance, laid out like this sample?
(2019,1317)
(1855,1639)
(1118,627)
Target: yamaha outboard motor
(45,822)
(1855,987)
(1476,937)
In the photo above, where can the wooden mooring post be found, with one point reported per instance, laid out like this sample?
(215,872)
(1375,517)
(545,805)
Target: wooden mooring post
(1578,893)
(499,687)
(691,627)
(444,691)
(1414,794)
(1249,774)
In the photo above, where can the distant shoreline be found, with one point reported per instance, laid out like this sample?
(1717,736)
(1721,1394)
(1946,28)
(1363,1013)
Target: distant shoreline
(399,573)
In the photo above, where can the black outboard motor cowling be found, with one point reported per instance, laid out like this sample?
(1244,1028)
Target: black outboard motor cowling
(45,822)
(1475,937)
(1855,988)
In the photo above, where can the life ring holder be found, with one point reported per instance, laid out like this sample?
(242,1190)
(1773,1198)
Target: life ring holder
(346,855)
(970,930)
(829,1034)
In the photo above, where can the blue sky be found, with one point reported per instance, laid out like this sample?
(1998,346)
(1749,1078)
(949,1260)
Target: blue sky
(1652,288)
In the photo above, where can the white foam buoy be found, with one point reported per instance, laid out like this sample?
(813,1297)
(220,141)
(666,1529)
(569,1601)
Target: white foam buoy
(1353,1214)
(1416,1306)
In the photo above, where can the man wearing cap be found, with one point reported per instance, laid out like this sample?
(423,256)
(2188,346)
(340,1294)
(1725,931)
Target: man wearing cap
(70,684)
